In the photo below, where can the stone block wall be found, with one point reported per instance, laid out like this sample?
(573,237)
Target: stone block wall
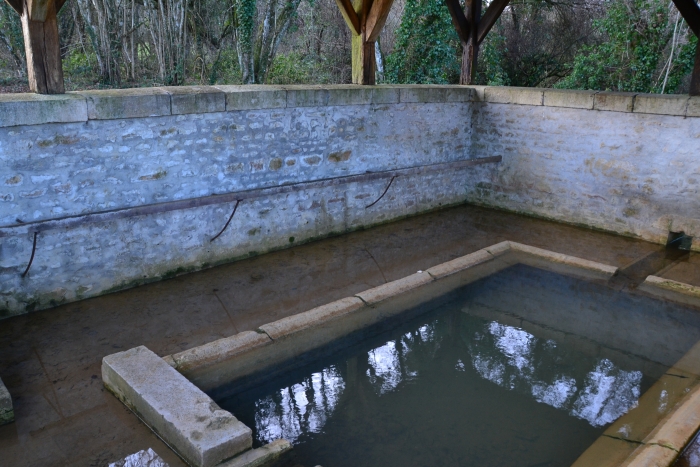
(135,187)
(622,162)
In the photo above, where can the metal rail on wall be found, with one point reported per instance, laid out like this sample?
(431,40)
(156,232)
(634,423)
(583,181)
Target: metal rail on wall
(238,196)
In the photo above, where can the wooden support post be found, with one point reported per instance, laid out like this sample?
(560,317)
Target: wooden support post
(470,53)
(365,18)
(41,44)
(691,14)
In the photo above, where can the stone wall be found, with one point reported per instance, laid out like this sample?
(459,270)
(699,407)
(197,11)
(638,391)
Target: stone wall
(124,187)
(130,186)
(621,162)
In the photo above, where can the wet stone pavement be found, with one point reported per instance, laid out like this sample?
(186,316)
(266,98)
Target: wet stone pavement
(50,360)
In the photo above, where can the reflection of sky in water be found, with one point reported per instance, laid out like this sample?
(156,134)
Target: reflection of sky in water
(592,389)
(521,362)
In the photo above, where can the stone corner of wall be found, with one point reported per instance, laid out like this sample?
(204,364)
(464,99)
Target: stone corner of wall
(35,109)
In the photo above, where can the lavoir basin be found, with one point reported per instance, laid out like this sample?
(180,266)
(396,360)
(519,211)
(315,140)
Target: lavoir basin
(511,356)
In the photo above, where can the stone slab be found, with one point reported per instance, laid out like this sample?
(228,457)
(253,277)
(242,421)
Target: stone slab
(385,95)
(423,94)
(614,101)
(126,103)
(252,97)
(679,427)
(569,98)
(219,350)
(651,456)
(7,413)
(307,96)
(349,94)
(671,290)
(314,317)
(195,99)
(460,264)
(605,452)
(186,418)
(499,249)
(689,364)
(394,288)
(35,109)
(513,95)
(661,104)
(261,456)
(693,107)
(559,262)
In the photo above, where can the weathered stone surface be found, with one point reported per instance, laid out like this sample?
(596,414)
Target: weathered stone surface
(570,263)
(112,104)
(7,414)
(385,94)
(513,95)
(650,455)
(678,428)
(220,350)
(349,94)
(693,107)
(307,96)
(252,97)
(195,99)
(186,418)
(569,98)
(459,264)
(312,318)
(499,249)
(614,101)
(478,95)
(261,456)
(394,288)
(671,290)
(605,452)
(147,458)
(661,104)
(425,93)
(35,109)
(689,364)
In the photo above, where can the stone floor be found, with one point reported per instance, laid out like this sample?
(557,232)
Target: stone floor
(50,360)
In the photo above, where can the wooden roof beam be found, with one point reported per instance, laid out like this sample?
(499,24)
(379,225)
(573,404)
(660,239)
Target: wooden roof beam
(491,15)
(350,15)
(376,19)
(16,5)
(459,21)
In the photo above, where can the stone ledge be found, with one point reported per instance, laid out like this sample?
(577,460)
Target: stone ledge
(312,318)
(218,350)
(459,264)
(661,104)
(195,99)
(671,290)
(512,95)
(569,98)
(112,104)
(35,109)
(261,456)
(561,263)
(7,413)
(186,418)
(394,288)
(614,101)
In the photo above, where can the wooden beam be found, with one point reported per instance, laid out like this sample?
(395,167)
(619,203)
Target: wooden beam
(459,21)
(691,13)
(470,52)
(16,5)
(493,12)
(349,14)
(377,18)
(59,4)
(41,46)
(695,78)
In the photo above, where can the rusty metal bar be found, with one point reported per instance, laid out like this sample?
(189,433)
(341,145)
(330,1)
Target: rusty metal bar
(106,216)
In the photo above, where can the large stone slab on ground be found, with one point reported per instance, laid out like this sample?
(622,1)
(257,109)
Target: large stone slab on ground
(145,458)
(7,413)
(186,418)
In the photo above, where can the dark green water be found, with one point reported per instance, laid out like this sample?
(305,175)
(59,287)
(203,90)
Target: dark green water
(525,368)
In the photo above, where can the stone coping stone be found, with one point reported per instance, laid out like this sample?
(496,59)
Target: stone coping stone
(513,95)
(314,317)
(143,458)
(33,109)
(394,288)
(569,98)
(605,452)
(499,249)
(569,263)
(693,107)
(219,350)
(195,99)
(7,413)
(111,104)
(186,418)
(614,101)
(661,104)
(671,290)
(651,455)
(252,97)
(679,427)
(261,456)
(460,264)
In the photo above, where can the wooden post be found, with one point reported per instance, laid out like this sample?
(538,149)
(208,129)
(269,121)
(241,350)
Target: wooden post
(41,44)
(472,28)
(365,18)
(691,14)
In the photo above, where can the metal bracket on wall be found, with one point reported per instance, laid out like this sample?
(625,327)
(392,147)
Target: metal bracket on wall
(238,201)
(385,190)
(31,259)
